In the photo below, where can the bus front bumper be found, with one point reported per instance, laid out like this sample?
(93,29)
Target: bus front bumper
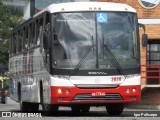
(74,95)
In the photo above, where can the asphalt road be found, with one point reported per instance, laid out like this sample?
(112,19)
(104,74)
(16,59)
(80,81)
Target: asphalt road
(65,113)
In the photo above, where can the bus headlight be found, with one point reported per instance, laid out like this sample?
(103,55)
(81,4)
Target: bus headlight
(59,91)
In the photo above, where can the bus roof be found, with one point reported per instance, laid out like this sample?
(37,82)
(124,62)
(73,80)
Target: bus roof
(82,6)
(87,6)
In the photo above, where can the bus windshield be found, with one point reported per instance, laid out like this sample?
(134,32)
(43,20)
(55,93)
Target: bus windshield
(95,37)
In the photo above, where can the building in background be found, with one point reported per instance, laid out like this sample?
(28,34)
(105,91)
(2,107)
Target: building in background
(29,7)
(40,4)
(19,6)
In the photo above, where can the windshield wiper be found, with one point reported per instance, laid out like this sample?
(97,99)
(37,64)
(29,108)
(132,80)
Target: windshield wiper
(82,59)
(112,59)
(84,56)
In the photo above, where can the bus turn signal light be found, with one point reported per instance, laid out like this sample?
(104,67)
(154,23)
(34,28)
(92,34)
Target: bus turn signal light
(134,90)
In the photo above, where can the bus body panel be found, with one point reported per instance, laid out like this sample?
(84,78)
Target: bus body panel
(92,86)
(95,96)
(28,70)
(95,80)
(31,74)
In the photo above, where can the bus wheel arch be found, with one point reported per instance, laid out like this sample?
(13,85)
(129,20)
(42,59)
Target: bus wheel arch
(24,107)
(48,109)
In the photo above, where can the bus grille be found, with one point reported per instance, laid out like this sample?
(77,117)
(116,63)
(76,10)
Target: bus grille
(108,96)
(96,86)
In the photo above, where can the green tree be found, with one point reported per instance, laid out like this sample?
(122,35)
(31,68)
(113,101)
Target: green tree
(7,22)
(6,80)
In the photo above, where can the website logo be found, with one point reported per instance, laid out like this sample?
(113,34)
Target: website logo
(6,114)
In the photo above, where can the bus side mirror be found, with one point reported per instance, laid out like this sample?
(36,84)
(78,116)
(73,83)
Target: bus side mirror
(46,42)
(144,40)
(144,36)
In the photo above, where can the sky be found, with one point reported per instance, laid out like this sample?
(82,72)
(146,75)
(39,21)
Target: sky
(152,1)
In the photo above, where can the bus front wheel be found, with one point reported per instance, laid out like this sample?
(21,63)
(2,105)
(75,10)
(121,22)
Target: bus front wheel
(24,106)
(115,109)
(49,109)
(80,108)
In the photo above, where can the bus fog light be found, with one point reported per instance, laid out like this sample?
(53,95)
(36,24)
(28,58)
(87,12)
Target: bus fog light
(59,91)
(127,90)
(60,99)
(133,97)
(67,91)
(134,90)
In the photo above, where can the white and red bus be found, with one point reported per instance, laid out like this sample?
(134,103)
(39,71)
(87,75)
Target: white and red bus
(78,54)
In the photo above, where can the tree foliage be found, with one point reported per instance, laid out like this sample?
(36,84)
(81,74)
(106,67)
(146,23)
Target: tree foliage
(7,22)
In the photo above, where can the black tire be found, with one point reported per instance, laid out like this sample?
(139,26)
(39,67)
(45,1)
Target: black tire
(80,108)
(85,109)
(24,106)
(34,107)
(76,108)
(3,99)
(48,109)
(29,107)
(115,109)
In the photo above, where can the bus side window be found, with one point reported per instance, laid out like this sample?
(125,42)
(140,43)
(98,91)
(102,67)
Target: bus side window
(55,36)
(37,31)
(11,45)
(14,42)
(39,28)
(47,31)
(26,38)
(32,35)
(23,38)
(19,43)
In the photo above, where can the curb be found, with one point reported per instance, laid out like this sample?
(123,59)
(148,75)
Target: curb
(10,101)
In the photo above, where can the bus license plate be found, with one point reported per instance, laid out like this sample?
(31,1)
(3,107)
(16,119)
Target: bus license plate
(98,94)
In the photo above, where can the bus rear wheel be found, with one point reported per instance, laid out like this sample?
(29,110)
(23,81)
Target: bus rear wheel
(29,107)
(85,109)
(75,108)
(115,109)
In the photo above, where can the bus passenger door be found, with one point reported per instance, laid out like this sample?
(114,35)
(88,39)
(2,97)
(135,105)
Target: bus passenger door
(45,51)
